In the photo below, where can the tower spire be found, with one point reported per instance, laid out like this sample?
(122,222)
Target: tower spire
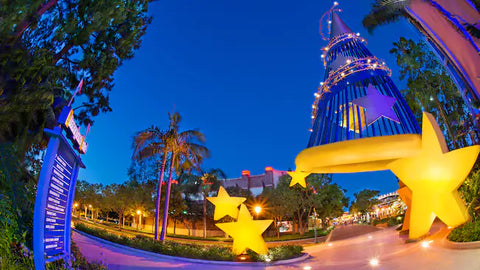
(338,26)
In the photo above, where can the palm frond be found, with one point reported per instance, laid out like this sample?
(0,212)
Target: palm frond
(384,12)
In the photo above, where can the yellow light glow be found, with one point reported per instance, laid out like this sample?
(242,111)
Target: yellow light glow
(434,175)
(257,209)
(225,205)
(90,205)
(75,205)
(374,262)
(307,267)
(426,244)
(139,212)
(246,232)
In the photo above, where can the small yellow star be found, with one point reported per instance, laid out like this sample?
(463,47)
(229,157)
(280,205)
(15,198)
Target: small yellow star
(298,178)
(225,205)
(434,175)
(246,232)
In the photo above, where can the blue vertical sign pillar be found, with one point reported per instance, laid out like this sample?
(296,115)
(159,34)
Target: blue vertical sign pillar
(55,193)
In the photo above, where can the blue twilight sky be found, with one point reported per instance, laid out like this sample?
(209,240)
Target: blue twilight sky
(243,72)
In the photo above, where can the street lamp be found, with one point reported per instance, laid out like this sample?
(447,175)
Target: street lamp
(139,213)
(257,209)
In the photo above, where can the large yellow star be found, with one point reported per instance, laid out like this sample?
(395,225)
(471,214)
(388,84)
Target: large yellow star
(298,178)
(434,175)
(246,232)
(225,205)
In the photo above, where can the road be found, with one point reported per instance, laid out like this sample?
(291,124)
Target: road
(386,246)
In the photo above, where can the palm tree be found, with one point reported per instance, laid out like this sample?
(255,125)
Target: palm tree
(149,143)
(186,153)
(210,181)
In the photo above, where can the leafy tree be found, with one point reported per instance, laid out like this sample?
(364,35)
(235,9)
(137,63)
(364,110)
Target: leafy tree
(149,143)
(236,191)
(364,201)
(46,47)
(429,88)
(186,153)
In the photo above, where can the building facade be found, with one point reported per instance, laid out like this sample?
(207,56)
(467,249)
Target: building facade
(255,183)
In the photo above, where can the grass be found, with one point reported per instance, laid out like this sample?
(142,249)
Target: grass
(188,250)
(468,232)
(297,236)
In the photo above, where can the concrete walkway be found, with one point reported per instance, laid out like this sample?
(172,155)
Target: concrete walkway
(386,246)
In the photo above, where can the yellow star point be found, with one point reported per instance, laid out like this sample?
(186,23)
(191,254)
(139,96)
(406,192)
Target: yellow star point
(246,232)
(434,175)
(298,177)
(225,205)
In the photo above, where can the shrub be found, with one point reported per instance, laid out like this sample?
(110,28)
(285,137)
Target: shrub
(189,250)
(468,232)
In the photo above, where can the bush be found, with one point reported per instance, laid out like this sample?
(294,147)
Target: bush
(468,232)
(391,221)
(189,250)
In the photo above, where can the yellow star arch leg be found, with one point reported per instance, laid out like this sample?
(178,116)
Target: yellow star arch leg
(434,175)
(406,195)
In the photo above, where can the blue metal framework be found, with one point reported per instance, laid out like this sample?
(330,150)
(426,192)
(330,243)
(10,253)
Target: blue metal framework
(334,116)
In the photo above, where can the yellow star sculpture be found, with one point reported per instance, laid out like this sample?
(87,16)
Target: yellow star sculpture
(298,178)
(225,205)
(434,175)
(246,232)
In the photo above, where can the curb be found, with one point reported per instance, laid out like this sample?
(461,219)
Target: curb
(460,245)
(304,257)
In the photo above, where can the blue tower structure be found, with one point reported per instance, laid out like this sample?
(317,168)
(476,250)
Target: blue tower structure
(357,98)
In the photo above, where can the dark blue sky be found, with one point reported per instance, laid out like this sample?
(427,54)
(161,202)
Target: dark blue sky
(243,72)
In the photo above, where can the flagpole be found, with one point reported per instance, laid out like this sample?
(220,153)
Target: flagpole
(77,90)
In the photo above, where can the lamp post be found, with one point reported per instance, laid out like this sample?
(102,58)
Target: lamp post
(257,210)
(139,213)
(315,224)
(91,212)
(75,208)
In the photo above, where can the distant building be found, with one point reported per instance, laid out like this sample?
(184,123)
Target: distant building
(255,183)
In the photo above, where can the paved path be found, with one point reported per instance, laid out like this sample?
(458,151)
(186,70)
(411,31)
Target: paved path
(386,245)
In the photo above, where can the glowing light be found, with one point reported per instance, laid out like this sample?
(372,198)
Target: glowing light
(307,267)
(358,34)
(246,232)
(322,55)
(298,177)
(329,22)
(90,205)
(349,61)
(139,212)
(335,3)
(369,237)
(321,83)
(225,205)
(75,205)
(374,262)
(368,61)
(257,209)
(313,116)
(329,244)
(245,172)
(267,259)
(426,244)
(311,130)
(268,169)
(243,258)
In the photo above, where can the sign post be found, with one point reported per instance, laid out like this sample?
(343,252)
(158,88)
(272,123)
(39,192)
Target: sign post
(56,190)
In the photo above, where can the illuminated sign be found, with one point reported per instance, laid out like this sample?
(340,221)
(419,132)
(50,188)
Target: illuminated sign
(67,119)
(55,191)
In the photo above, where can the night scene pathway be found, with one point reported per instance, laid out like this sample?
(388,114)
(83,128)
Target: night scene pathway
(356,253)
